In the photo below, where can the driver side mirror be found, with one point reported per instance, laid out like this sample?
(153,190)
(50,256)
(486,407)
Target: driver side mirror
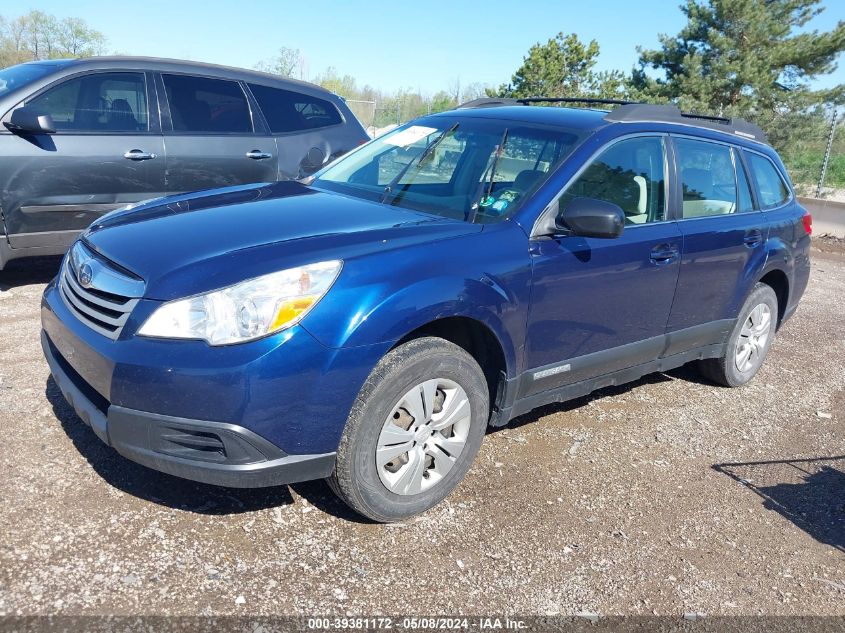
(589,217)
(30,121)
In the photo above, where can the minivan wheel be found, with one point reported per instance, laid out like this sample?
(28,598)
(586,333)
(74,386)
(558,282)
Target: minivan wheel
(749,341)
(413,431)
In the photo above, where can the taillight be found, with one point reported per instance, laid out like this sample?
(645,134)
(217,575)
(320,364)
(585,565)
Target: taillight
(807,221)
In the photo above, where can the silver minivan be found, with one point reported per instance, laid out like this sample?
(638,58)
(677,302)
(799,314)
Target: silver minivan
(82,137)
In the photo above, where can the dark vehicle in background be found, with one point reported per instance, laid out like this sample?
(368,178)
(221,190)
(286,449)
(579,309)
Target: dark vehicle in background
(83,137)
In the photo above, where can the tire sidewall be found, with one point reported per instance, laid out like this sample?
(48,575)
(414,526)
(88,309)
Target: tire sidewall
(421,361)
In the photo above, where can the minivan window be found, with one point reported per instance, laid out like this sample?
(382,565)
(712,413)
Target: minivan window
(98,102)
(770,186)
(707,177)
(628,174)
(290,111)
(200,104)
(14,77)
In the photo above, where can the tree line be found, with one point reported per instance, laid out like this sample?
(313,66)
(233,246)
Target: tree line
(39,35)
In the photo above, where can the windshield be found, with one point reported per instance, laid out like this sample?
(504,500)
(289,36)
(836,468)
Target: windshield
(476,170)
(14,77)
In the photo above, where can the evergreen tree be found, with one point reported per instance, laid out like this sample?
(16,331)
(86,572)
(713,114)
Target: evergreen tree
(563,67)
(743,57)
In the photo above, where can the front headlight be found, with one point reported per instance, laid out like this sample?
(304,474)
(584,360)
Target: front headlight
(246,311)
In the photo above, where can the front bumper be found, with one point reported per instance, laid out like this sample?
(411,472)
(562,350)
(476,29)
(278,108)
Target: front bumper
(210,452)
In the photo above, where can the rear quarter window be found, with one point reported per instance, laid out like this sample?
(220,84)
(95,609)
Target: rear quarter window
(771,188)
(291,111)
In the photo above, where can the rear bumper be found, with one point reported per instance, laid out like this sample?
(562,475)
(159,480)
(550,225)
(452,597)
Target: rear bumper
(209,452)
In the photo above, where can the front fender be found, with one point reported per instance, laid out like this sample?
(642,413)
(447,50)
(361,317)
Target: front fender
(382,297)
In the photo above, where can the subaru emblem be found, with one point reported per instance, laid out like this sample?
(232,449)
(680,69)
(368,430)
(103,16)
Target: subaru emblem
(85,275)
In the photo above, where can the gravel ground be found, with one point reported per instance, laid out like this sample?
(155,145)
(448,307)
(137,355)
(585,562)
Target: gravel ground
(667,496)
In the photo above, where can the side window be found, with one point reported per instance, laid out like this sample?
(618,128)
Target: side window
(99,102)
(746,202)
(628,174)
(289,111)
(707,177)
(772,190)
(200,104)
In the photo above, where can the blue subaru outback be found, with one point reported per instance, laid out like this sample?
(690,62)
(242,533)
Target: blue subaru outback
(367,325)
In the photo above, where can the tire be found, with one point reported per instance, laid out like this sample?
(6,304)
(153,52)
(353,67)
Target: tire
(749,342)
(391,415)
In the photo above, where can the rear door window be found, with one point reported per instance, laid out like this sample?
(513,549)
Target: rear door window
(291,111)
(772,190)
(99,102)
(707,177)
(204,105)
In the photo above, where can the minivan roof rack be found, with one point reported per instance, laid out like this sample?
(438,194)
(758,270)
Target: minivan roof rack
(633,111)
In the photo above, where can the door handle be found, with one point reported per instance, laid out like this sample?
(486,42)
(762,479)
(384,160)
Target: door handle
(664,254)
(137,154)
(753,238)
(257,154)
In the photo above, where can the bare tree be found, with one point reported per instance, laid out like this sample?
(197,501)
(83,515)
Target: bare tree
(287,63)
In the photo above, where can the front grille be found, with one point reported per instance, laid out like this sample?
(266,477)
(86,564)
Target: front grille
(99,305)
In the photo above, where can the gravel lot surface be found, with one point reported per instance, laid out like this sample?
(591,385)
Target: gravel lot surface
(667,496)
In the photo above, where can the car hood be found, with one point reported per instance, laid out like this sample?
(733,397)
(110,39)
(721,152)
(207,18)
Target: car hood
(183,245)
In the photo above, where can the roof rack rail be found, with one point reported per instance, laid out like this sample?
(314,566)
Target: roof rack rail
(589,100)
(632,111)
(486,102)
(640,112)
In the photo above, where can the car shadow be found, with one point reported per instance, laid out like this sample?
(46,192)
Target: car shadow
(577,403)
(26,272)
(808,492)
(687,372)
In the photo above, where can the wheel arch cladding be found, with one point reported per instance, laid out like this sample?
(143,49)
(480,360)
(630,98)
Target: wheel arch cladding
(474,337)
(777,280)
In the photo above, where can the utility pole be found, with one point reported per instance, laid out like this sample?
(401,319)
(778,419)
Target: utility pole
(827,154)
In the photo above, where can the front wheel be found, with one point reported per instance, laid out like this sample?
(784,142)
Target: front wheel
(413,432)
(749,341)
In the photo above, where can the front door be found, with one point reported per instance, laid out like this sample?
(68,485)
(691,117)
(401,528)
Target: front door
(106,153)
(210,134)
(599,305)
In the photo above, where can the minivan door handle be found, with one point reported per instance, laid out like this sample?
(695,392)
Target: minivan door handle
(753,237)
(664,254)
(137,154)
(257,154)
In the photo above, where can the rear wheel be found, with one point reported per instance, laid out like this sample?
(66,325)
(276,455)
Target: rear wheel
(749,341)
(413,432)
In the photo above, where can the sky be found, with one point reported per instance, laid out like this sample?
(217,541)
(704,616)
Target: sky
(425,45)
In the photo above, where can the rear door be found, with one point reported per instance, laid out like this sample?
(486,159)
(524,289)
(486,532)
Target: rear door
(723,238)
(107,152)
(213,137)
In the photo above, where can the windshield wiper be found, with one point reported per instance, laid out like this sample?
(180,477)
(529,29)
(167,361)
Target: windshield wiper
(491,169)
(388,189)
